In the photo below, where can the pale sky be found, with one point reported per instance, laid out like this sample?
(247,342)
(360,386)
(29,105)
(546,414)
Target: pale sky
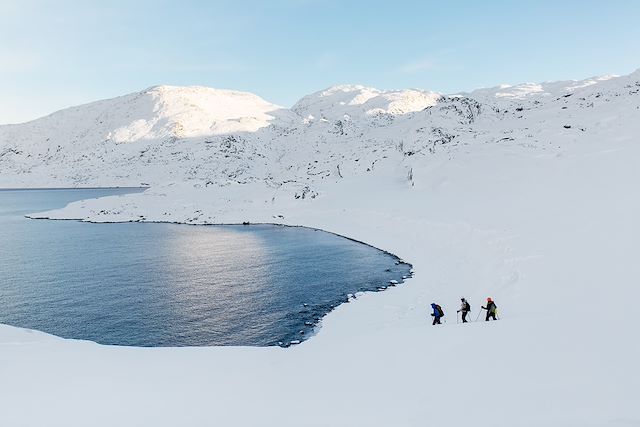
(55,54)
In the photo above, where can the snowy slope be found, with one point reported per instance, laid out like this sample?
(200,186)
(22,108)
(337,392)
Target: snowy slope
(529,197)
(120,140)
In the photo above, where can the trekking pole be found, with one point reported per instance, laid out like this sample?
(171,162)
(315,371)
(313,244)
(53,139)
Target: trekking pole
(478,316)
(457,317)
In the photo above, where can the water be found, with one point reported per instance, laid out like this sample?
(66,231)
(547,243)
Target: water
(144,284)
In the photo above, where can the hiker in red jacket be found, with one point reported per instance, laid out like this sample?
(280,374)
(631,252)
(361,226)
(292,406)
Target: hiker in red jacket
(491,309)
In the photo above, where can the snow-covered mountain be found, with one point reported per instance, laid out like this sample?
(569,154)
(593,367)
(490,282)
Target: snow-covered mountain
(105,142)
(166,134)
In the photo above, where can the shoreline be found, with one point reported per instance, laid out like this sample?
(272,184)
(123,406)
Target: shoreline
(221,224)
(317,325)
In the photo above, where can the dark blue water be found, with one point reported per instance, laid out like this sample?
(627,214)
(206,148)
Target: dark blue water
(144,284)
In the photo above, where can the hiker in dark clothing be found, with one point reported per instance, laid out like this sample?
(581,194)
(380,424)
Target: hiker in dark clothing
(437,313)
(491,309)
(465,308)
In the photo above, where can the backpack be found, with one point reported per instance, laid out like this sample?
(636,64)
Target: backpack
(468,306)
(440,310)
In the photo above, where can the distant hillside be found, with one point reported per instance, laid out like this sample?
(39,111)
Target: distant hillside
(166,134)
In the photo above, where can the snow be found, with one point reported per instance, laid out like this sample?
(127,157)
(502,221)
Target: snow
(524,90)
(485,197)
(360,101)
(93,143)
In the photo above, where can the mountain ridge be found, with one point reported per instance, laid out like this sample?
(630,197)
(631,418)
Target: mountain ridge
(173,133)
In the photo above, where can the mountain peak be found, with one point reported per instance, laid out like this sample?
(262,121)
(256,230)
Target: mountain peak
(358,101)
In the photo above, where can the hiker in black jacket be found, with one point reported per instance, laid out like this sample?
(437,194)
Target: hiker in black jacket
(491,309)
(465,308)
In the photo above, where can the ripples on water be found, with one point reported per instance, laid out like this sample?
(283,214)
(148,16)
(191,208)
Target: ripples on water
(146,284)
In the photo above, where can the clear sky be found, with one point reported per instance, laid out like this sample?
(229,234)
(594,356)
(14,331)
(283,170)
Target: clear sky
(59,53)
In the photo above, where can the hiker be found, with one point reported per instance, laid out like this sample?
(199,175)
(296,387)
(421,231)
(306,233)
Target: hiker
(437,313)
(465,308)
(491,309)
